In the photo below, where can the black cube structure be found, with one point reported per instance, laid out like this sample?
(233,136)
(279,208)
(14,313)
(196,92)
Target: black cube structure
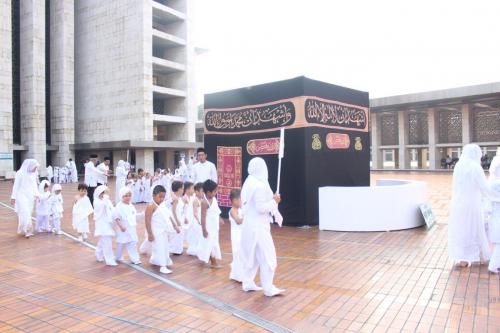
(326,140)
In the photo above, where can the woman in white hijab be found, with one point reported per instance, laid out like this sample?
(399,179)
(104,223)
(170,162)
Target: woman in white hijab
(24,194)
(257,246)
(494,216)
(121,176)
(467,241)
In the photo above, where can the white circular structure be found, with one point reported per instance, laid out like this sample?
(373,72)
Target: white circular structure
(390,205)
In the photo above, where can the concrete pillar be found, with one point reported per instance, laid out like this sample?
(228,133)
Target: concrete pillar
(403,154)
(191,99)
(144,159)
(434,157)
(6,162)
(466,128)
(377,159)
(33,81)
(62,79)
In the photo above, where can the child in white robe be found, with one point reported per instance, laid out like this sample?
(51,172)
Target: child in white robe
(178,212)
(43,208)
(193,234)
(82,209)
(138,195)
(159,224)
(494,216)
(125,217)
(209,250)
(103,218)
(148,190)
(56,208)
(236,220)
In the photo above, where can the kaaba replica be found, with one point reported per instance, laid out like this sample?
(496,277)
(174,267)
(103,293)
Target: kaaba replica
(326,140)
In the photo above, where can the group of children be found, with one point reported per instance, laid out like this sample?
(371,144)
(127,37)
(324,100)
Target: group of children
(175,215)
(49,208)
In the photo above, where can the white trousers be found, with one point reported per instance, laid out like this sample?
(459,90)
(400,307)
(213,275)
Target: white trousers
(266,273)
(495,259)
(42,223)
(131,250)
(104,250)
(56,221)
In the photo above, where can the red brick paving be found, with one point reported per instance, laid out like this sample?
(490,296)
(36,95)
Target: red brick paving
(398,281)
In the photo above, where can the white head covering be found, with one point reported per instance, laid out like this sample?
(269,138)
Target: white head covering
(99,190)
(257,176)
(56,187)
(123,191)
(495,168)
(41,187)
(471,153)
(29,166)
(121,164)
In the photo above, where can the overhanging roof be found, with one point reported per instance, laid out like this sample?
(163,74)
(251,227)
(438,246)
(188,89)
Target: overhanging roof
(437,96)
(128,144)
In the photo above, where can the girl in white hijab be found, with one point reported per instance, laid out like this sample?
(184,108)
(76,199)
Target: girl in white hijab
(257,246)
(494,218)
(121,176)
(103,218)
(24,194)
(125,217)
(467,241)
(43,208)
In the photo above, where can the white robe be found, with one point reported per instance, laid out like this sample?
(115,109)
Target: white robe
(177,239)
(103,217)
(127,215)
(73,172)
(82,209)
(161,226)
(50,173)
(236,266)
(209,247)
(194,232)
(121,175)
(25,192)
(467,239)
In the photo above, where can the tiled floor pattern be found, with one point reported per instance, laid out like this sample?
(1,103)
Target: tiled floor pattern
(399,281)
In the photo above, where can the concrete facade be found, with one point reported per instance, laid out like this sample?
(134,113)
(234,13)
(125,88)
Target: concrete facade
(6,143)
(113,77)
(62,78)
(452,118)
(33,81)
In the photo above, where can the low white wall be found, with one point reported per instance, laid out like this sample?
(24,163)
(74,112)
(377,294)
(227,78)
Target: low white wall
(390,205)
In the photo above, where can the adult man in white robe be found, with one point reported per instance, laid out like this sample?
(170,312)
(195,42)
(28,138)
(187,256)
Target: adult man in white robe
(91,176)
(24,194)
(204,170)
(467,241)
(102,179)
(50,173)
(71,165)
(257,247)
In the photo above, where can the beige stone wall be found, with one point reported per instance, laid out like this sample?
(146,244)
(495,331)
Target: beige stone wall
(62,79)
(5,86)
(113,71)
(33,80)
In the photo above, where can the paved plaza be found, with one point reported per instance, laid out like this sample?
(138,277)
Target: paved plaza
(401,281)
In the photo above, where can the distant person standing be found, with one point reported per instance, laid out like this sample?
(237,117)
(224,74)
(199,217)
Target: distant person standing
(204,170)
(71,165)
(102,179)
(91,176)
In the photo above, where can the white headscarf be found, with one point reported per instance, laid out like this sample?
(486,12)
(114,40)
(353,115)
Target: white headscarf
(123,191)
(121,164)
(495,168)
(467,167)
(257,176)
(99,190)
(56,187)
(41,187)
(29,167)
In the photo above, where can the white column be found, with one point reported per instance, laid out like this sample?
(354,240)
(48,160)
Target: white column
(434,159)
(466,128)
(62,75)
(375,144)
(33,81)
(144,159)
(404,156)
(6,165)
